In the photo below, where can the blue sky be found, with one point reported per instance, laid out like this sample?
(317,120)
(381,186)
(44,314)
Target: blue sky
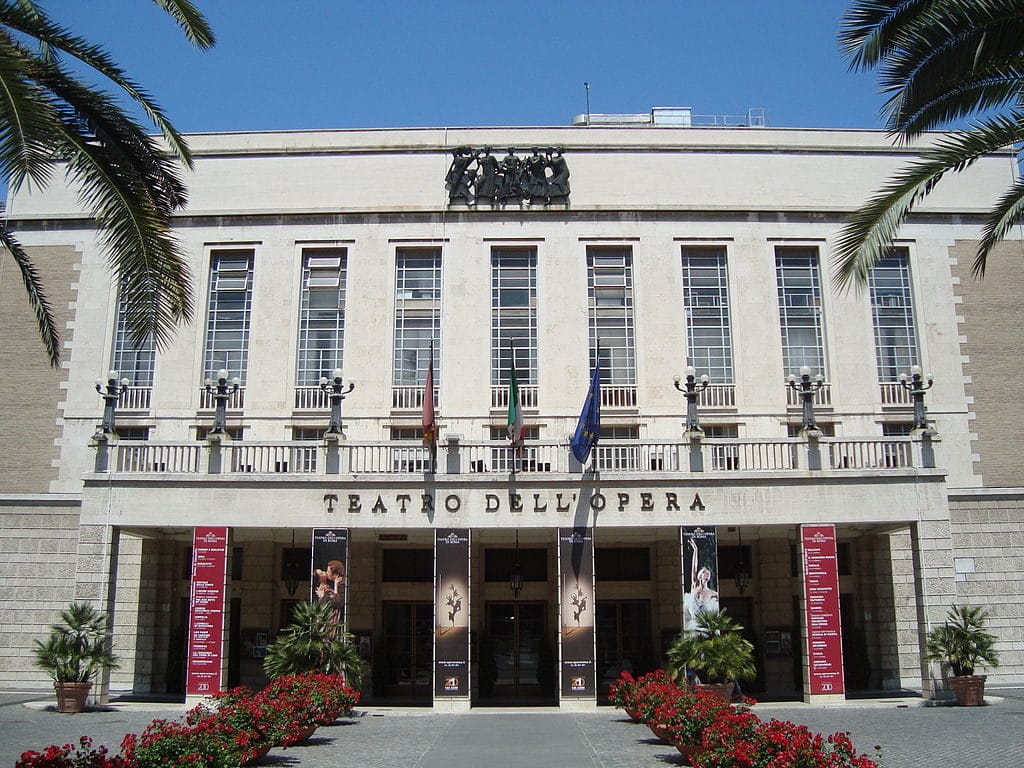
(293,64)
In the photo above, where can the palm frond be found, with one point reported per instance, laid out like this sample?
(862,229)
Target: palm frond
(138,239)
(124,140)
(871,28)
(870,230)
(27,120)
(40,27)
(33,285)
(947,51)
(966,98)
(1008,212)
(191,21)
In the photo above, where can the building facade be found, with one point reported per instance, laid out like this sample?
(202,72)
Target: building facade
(462,254)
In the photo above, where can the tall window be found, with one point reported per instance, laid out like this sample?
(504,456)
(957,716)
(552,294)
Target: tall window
(706,302)
(799,285)
(321,314)
(514,313)
(610,294)
(417,315)
(892,311)
(229,313)
(132,360)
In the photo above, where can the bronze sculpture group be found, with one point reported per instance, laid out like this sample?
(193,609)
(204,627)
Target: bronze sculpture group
(476,175)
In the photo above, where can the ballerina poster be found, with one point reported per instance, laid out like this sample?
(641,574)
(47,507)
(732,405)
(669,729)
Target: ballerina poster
(700,573)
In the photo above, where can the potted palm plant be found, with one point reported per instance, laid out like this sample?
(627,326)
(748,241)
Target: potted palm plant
(76,651)
(716,651)
(961,644)
(315,642)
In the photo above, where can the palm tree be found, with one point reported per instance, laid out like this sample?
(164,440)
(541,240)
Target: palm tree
(940,61)
(129,183)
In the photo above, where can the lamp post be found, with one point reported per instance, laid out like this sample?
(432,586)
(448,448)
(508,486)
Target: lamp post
(807,390)
(292,569)
(110,392)
(742,566)
(335,389)
(222,390)
(691,391)
(515,577)
(917,387)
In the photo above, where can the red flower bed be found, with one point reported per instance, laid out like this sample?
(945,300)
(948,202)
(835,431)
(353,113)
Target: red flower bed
(240,726)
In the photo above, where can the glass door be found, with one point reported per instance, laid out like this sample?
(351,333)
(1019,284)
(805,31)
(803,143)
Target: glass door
(623,629)
(517,660)
(408,652)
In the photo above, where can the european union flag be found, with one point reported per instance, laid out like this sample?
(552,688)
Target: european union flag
(589,425)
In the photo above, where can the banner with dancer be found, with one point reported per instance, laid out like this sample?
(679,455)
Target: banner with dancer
(329,582)
(700,572)
(576,580)
(451,611)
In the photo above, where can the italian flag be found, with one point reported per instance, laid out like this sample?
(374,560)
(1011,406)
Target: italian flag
(515,413)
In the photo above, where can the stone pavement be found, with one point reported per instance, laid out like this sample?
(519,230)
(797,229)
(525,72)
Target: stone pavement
(910,735)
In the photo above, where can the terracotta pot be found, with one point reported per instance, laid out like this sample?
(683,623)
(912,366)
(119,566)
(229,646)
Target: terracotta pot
(305,733)
(686,750)
(661,732)
(260,754)
(969,689)
(634,714)
(71,696)
(721,690)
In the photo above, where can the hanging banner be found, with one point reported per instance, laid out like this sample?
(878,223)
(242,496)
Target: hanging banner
(576,579)
(700,572)
(206,611)
(329,582)
(821,597)
(451,609)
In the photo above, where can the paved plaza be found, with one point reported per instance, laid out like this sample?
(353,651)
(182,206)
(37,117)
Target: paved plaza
(910,735)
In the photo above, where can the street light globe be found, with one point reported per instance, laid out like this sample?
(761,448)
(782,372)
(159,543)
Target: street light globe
(805,370)
(112,375)
(336,373)
(691,371)
(222,374)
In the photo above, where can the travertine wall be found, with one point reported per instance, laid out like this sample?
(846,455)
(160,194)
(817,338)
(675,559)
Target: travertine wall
(33,391)
(38,545)
(991,327)
(988,536)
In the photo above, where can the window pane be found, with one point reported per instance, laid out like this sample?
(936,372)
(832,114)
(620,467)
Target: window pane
(228,314)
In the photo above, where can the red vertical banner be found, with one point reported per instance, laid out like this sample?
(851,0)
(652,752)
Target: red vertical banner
(821,597)
(206,610)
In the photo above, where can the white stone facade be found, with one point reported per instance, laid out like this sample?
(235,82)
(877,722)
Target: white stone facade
(907,525)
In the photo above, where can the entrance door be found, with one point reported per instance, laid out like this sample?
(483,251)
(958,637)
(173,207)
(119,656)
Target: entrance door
(408,651)
(517,654)
(623,629)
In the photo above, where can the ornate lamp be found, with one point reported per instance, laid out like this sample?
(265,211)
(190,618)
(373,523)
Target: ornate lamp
(742,575)
(335,389)
(292,568)
(691,391)
(110,392)
(917,387)
(807,390)
(222,390)
(515,577)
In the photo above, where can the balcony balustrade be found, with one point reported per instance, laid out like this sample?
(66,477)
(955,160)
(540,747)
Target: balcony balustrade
(207,400)
(894,393)
(822,397)
(717,456)
(134,399)
(527,397)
